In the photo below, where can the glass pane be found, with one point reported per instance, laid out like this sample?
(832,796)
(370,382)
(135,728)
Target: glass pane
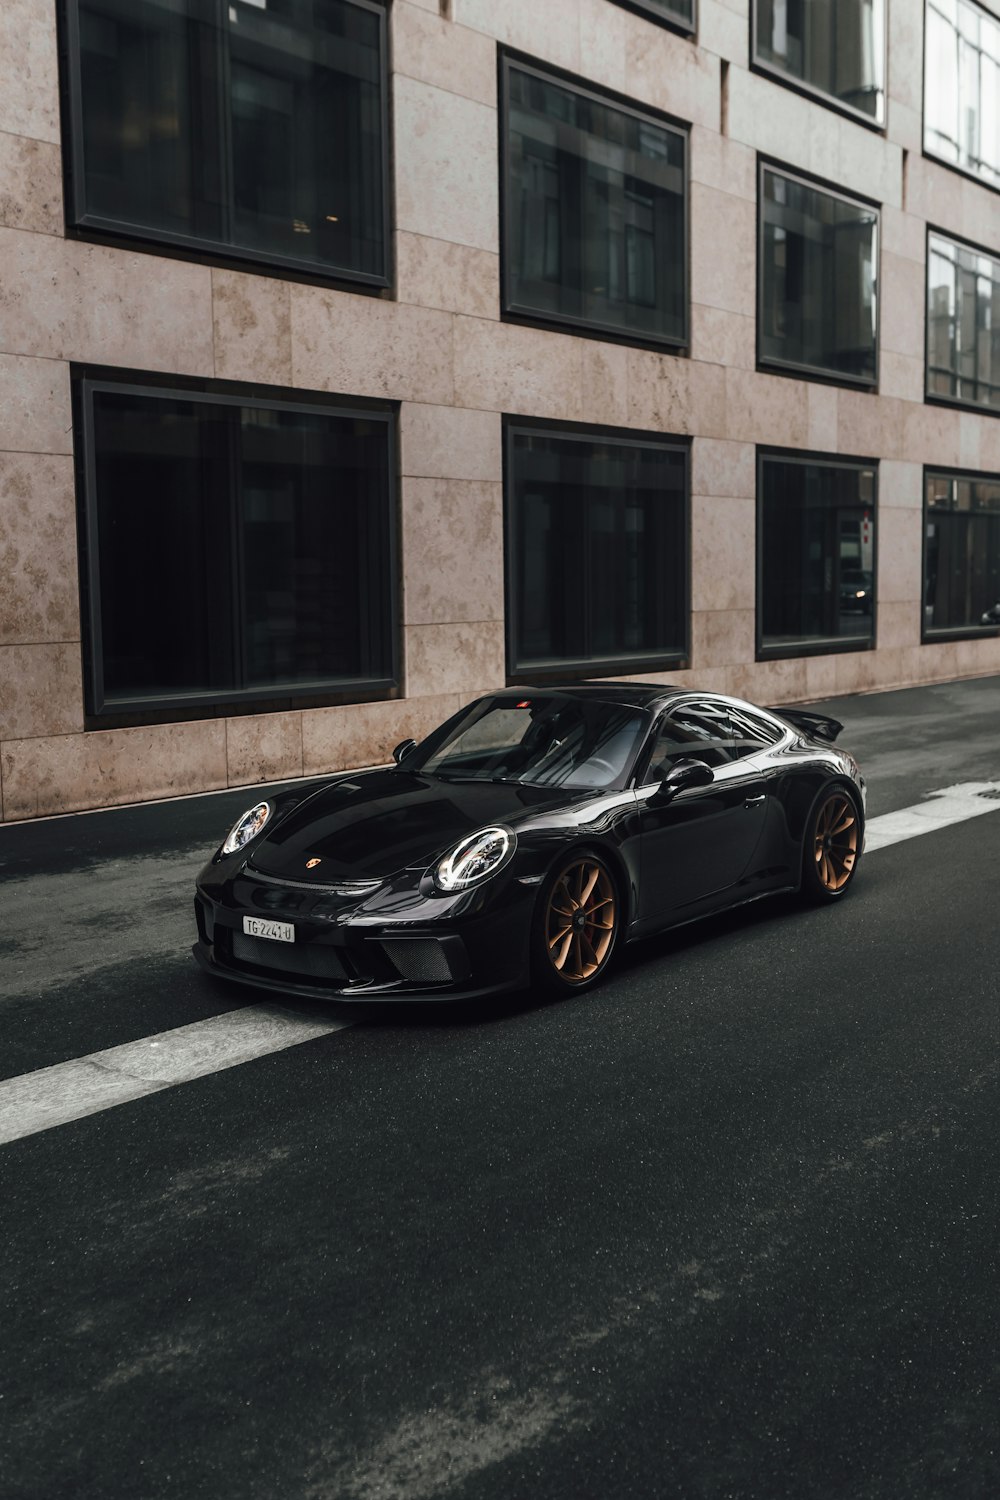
(599,549)
(962,554)
(596,216)
(668,10)
(817,279)
(835,46)
(962,87)
(963,323)
(817,550)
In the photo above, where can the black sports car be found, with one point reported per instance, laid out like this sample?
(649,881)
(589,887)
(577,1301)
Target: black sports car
(529,838)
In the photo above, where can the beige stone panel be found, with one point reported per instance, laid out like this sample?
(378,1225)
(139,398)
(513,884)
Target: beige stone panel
(450,442)
(900,485)
(821,678)
(899,555)
(934,194)
(821,406)
(906,53)
(526,371)
(675,395)
(432,50)
(722,554)
(781,681)
(932,435)
(30,185)
(604,383)
(723,250)
(603,44)
(905,126)
(977,658)
(39,600)
(858,672)
(432,5)
(446,165)
(664,69)
(903,234)
(901,312)
(723,338)
(365,734)
(108,306)
(263,747)
(723,164)
(869,164)
(768,409)
(721,638)
(66,773)
(455,278)
(454,658)
(365,346)
(901,375)
(871,426)
(548,31)
(252,322)
(979,219)
(452,551)
(723,469)
(35,410)
(898,624)
(768,117)
(989,446)
(29,98)
(723,31)
(970,431)
(41,691)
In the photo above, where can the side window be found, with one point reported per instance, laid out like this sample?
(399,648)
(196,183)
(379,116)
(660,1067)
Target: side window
(701,730)
(750,733)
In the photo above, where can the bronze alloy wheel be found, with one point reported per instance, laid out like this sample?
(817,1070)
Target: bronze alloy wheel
(581,920)
(835,842)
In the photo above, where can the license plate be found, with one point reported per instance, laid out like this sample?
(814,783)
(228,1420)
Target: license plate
(281,932)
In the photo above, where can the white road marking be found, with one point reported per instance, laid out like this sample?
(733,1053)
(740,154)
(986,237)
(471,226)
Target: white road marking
(953,804)
(87,1085)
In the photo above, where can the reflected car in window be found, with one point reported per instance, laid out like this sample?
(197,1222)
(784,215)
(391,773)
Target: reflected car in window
(528,840)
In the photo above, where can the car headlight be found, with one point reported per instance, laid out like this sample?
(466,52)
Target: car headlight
(475,859)
(247,827)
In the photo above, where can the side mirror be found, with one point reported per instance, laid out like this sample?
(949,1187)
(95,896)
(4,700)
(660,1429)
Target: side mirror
(683,774)
(402,750)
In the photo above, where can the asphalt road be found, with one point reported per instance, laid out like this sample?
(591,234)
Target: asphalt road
(723,1229)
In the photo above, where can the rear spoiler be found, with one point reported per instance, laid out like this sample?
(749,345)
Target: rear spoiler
(817,725)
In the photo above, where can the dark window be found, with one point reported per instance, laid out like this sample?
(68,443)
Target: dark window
(678,13)
(816,280)
(594,211)
(963,323)
(831,47)
(961,553)
(962,87)
(257,128)
(236,550)
(596,551)
(816,555)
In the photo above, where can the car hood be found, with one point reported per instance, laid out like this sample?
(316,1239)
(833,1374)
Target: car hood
(379,822)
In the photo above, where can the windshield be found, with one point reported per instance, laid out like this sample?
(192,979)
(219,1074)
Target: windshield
(547,740)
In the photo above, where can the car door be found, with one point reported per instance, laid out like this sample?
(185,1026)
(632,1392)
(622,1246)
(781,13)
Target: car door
(697,845)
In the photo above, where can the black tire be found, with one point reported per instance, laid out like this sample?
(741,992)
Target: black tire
(831,848)
(576,925)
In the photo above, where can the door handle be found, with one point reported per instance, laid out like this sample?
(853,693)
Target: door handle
(755,801)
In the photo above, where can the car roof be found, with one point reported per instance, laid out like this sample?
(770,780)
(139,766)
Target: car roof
(632,694)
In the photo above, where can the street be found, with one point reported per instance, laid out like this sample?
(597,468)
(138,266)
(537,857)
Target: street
(724,1228)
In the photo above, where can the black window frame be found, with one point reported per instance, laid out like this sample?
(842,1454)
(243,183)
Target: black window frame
(828,646)
(101,712)
(816,94)
(937,398)
(588,666)
(650,10)
(510,311)
(929,635)
(820,373)
(95,228)
(942,161)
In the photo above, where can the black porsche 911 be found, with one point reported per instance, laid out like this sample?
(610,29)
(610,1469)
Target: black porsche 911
(527,840)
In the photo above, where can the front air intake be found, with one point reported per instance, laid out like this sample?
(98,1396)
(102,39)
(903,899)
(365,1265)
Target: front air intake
(426,960)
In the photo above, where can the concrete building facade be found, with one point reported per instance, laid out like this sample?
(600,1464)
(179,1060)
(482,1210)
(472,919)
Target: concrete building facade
(445,348)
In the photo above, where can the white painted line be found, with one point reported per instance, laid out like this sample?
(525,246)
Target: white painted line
(87,1085)
(953,804)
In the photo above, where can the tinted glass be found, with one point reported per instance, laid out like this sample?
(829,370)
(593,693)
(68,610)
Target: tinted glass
(239,549)
(962,552)
(547,740)
(963,323)
(253,126)
(816,535)
(834,46)
(962,87)
(816,279)
(596,537)
(595,212)
(679,12)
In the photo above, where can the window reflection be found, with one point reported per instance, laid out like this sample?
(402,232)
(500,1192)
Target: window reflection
(962,552)
(962,87)
(836,47)
(963,323)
